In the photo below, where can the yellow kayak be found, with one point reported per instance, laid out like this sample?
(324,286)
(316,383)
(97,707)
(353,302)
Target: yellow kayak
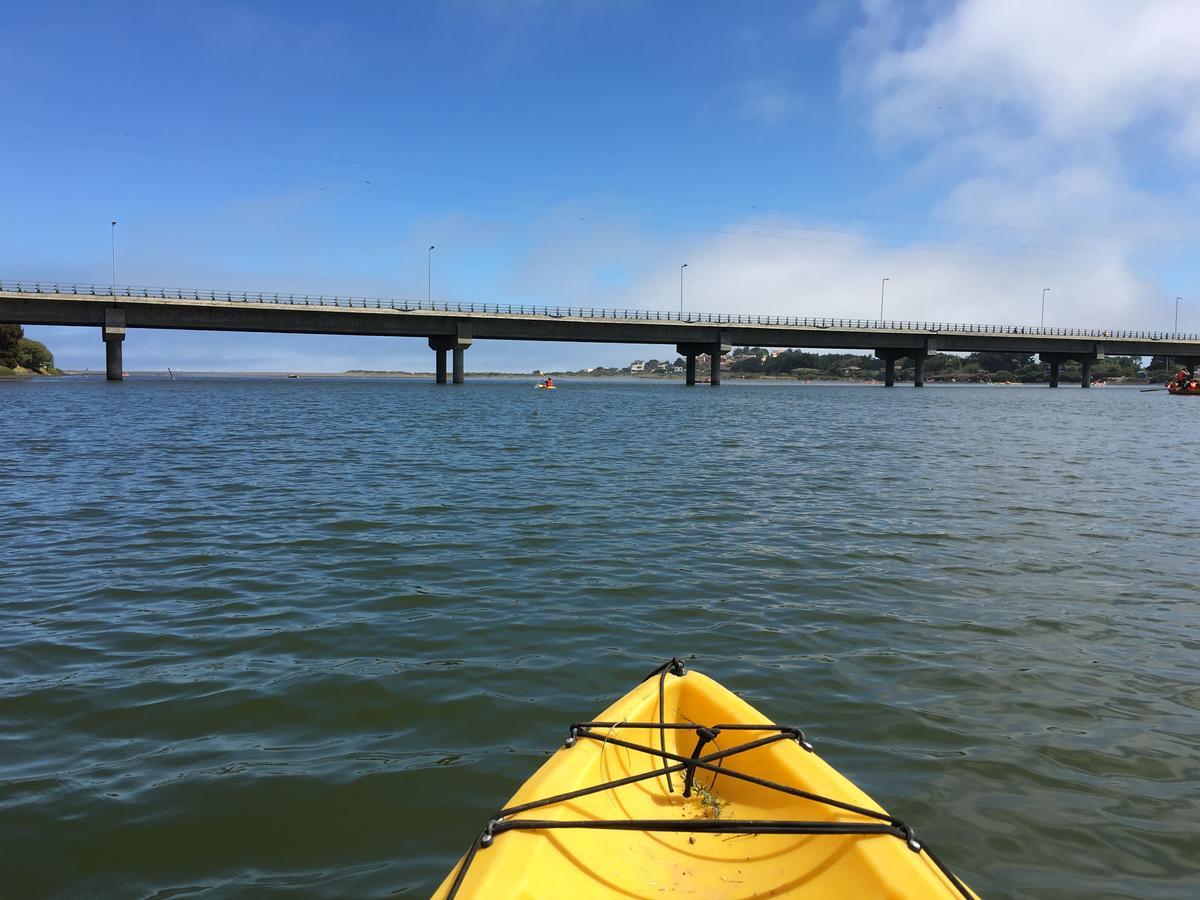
(682,789)
(546,387)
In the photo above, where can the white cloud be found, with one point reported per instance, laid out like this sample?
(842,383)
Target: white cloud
(1072,123)
(1068,72)
(839,275)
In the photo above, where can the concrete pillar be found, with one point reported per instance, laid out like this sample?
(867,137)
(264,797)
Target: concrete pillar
(889,357)
(919,370)
(439,344)
(113,334)
(1054,364)
(1085,372)
(113,369)
(691,349)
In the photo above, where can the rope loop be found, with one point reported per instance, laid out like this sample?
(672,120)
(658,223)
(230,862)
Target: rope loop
(798,736)
(910,836)
(485,839)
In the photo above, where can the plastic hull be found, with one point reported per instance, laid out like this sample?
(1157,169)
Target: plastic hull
(588,863)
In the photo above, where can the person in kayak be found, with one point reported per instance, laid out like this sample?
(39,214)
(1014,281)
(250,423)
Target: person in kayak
(549,382)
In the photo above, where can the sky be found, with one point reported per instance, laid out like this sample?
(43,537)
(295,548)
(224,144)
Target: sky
(793,155)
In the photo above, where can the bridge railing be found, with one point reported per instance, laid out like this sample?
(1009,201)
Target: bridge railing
(574,312)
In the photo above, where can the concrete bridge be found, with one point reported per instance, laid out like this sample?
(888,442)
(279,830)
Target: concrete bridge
(452,327)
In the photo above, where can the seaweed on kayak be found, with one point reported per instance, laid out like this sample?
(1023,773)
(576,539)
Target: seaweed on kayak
(711,803)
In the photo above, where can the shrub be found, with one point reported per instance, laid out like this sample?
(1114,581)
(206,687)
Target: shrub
(33,355)
(10,338)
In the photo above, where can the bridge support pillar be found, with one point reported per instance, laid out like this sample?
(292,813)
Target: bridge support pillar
(1085,372)
(714,350)
(1054,361)
(114,335)
(918,369)
(718,349)
(440,343)
(113,366)
(889,358)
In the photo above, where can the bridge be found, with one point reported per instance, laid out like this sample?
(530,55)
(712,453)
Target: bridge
(451,327)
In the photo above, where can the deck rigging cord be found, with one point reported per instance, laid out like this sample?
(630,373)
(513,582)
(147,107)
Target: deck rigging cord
(673,763)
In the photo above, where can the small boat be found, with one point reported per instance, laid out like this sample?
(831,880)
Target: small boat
(681,788)
(1177,389)
(546,387)
(293,376)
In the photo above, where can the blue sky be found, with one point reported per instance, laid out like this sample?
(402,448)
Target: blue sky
(578,153)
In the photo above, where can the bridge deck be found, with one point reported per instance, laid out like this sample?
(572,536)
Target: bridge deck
(57,304)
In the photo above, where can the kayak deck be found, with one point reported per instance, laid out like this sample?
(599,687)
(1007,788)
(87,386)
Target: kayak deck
(764,816)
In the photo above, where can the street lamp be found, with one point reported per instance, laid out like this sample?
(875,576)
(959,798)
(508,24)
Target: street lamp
(1177,299)
(882,285)
(113,232)
(1043,322)
(429,274)
(681,268)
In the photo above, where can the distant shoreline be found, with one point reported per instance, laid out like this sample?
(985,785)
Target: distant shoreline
(726,377)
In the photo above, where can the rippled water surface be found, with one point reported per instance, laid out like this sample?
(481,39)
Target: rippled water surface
(265,635)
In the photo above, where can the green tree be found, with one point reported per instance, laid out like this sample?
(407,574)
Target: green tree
(942,363)
(999,362)
(18,350)
(749,365)
(34,355)
(10,341)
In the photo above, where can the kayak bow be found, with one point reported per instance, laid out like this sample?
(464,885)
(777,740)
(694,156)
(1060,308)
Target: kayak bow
(681,788)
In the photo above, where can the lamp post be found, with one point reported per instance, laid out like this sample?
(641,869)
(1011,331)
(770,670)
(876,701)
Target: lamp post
(429,274)
(1177,299)
(1042,324)
(882,285)
(113,233)
(681,268)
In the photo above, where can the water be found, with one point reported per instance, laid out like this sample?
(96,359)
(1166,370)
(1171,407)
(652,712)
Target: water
(267,635)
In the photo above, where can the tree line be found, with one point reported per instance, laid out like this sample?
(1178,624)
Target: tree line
(16,350)
(938,366)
